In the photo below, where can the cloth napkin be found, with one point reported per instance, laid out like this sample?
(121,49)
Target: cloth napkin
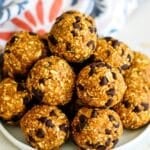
(39,15)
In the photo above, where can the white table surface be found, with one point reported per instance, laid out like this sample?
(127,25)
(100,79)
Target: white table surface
(136,31)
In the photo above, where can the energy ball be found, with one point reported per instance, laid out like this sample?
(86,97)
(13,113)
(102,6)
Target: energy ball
(73,36)
(45,127)
(134,110)
(113,52)
(96,129)
(51,81)
(140,69)
(13,101)
(21,52)
(100,85)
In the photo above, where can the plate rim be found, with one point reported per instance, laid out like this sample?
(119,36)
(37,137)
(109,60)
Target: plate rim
(24,146)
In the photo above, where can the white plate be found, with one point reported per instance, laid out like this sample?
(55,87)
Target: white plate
(14,135)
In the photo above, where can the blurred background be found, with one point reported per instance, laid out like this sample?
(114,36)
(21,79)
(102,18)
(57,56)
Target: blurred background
(39,15)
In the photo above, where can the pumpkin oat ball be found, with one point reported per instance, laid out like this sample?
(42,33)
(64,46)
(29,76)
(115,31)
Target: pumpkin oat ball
(51,81)
(73,36)
(100,85)
(96,129)
(45,127)
(134,110)
(113,52)
(21,52)
(13,101)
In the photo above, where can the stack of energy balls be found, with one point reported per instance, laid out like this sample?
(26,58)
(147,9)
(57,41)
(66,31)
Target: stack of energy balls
(98,82)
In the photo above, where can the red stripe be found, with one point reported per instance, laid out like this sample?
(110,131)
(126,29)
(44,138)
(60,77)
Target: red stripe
(54,10)
(21,24)
(30,18)
(5,35)
(39,11)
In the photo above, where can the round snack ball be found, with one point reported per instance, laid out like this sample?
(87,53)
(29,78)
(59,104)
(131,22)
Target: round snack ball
(45,127)
(134,110)
(21,52)
(100,85)
(13,101)
(73,36)
(113,52)
(140,69)
(96,128)
(51,81)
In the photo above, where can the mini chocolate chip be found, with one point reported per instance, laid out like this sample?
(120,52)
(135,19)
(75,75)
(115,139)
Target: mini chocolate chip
(115,141)
(129,58)
(53,40)
(111,92)
(89,20)
(42,119)
(13,39)
(40,133)
(91,44)
(107,53)
(119,69)
(81,87)
(101,147)
(58,19)
(37,94)
(103,81)
(94,114)
(145,105)
(109,102)
(78,19)
(92,29)
(108,38)
(82,118)
(107,143)
(83,121)
(68,46)
(92,71)
(52,113)
(111,118)
(31,139)
(116,125)
(91,145)
(64,127)
(122,52)
(98,64)
(69,12)
(107,131)
(114,75)
(7,51)
(41,81)
(74,33)
(126,103)
(32,33)
(49,123)
(76,26)
(125,67)
(137,109)
(115,43)
(26,100)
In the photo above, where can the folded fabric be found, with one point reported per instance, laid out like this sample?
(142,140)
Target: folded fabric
(39,16)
